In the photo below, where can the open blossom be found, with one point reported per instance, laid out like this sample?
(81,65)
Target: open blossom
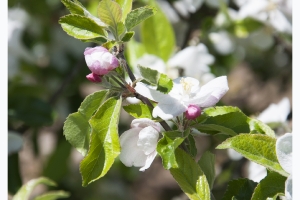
(284,152)
(99,60)
(139,143)
(185,92)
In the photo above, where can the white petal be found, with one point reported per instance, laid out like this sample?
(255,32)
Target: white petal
(276,112)
(280,22)
(149,161)
(168,111)
(131,154)
(211,93)
(256,172)
(284,151)
(148,138)
(144,122)
(289,188)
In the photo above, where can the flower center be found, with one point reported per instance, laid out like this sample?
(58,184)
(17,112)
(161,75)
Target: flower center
(187,85)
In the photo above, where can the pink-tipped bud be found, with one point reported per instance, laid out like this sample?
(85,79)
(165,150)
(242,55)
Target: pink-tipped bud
(99,60)
(193,112)
(94,78)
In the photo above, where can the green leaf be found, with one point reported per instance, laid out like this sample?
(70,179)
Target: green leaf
(74,7)
(25,191)
(110,13)
(76,127)
(230,121)
(157,35)
(81,27)
(138,15)
(139,110)
(207,164)
(242,28)
(166,148)
(127,36)
(190,177)
(191,145)
(153,77)
(271,186)
(165,84)
(121,29)
(126,6)
(257,148)
(53,195)
(104,145)
(240,189)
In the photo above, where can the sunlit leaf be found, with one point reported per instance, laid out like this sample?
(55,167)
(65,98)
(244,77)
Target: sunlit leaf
(138,15)
(126,6)
(190,177)
(104,145)
(257,148)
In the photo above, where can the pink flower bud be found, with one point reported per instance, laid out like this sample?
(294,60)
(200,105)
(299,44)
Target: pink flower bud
(193,112)
(94,78)
(99,60)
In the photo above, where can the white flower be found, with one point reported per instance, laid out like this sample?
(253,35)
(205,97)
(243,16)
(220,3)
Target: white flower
(284,152)
(138,144)
(195,61)
(276,113)
(256,172)
(267,11)
(222,42)
(185,92)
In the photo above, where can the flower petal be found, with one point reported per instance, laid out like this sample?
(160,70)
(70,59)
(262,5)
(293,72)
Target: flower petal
(168,111)
(148,138)
(211,93)
(144,122)
(284,151)
(149,161)
(131,154)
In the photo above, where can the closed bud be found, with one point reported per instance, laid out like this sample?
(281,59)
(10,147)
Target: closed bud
(193,112)
(99,60)
(94,78)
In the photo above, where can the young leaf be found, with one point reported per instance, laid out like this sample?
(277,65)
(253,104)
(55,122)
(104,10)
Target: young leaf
(81,27)
(207,164)
(166,148)
(25,191)
(127,36)
(76,127)
(126,6)
(157,35)
(240,189)
(230,121)
(138,15)
(271,186)
(139,110)
(190,177)
(104,145)
(74,7)
(152,76)
(53,195)
(257,148)
(110,13)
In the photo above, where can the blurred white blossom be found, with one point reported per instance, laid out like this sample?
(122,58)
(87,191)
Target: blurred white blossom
(18,19)
(284,152)
(276,113)
(15,142)
(267,11)
(222,42)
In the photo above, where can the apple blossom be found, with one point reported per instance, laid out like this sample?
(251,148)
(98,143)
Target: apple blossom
(99,60)
(186,91)
(284,152)
(93,78)
(138,144)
